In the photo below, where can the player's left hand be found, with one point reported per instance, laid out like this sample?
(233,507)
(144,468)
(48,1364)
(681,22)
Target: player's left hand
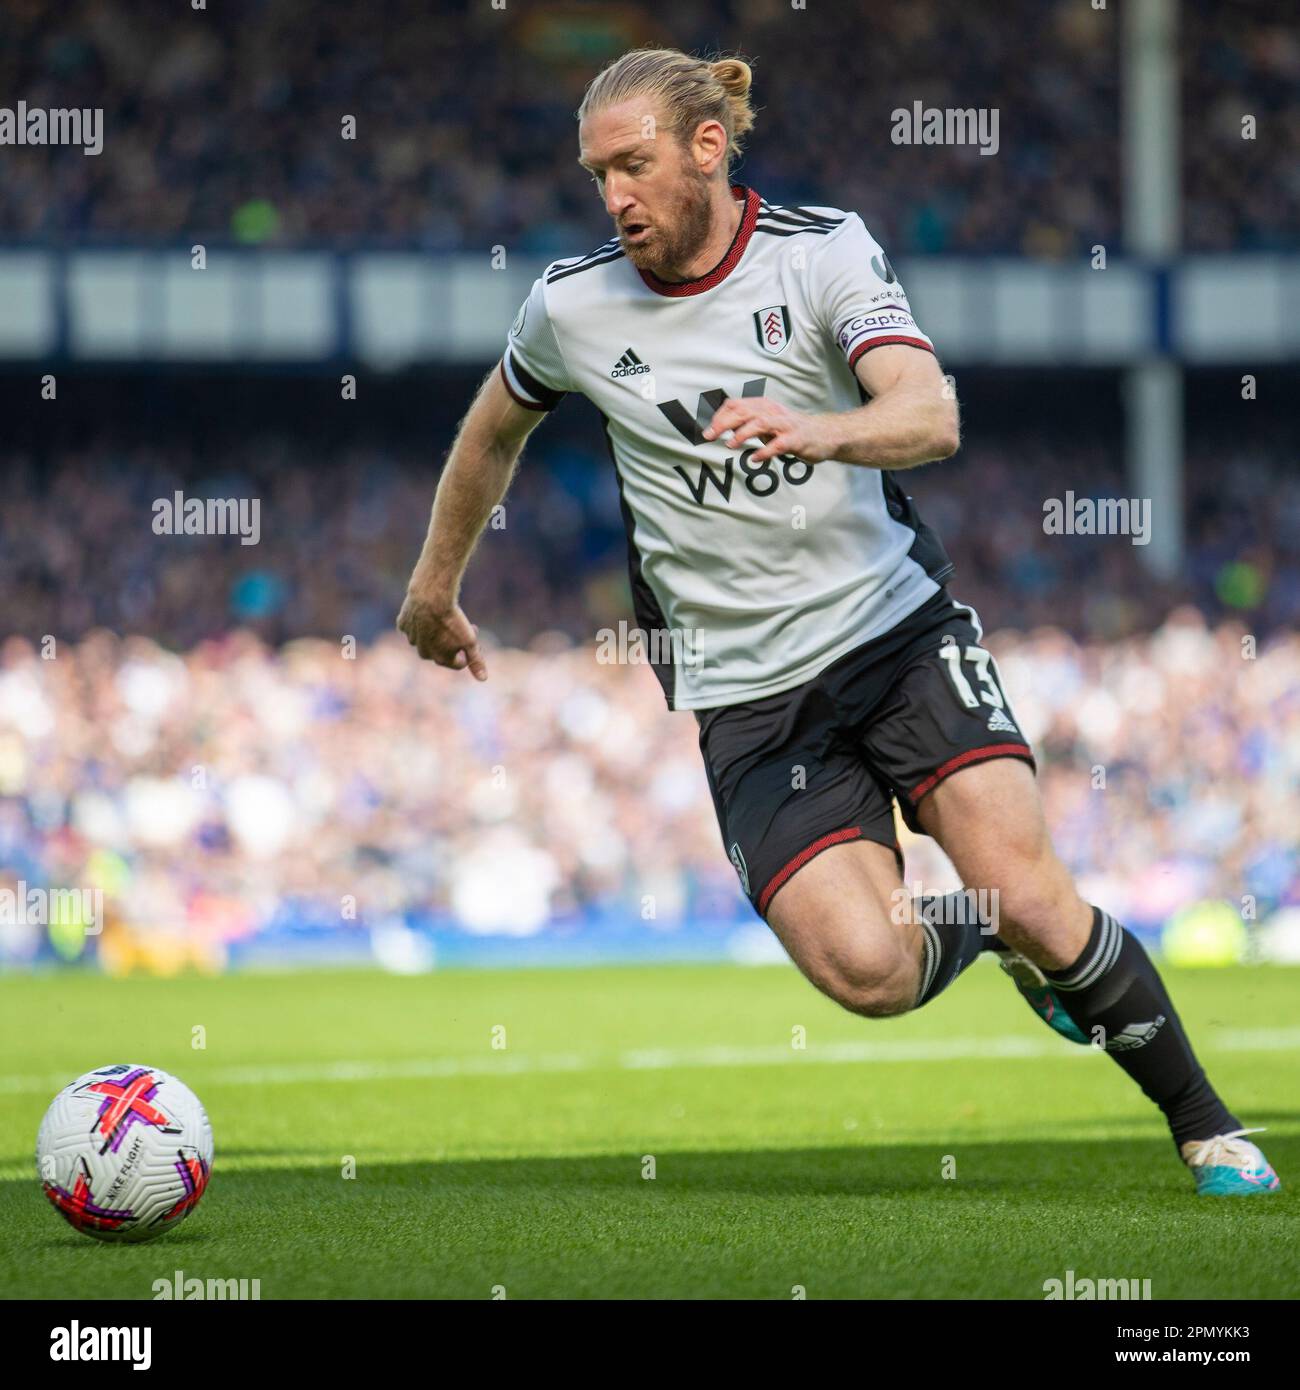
(782,430)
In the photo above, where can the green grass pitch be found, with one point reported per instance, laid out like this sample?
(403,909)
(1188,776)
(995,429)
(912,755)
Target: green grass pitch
(960,1152)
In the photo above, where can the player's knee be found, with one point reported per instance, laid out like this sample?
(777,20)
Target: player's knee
(875,981)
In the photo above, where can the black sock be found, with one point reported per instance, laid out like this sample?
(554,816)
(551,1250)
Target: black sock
(951,938)
(1113,986)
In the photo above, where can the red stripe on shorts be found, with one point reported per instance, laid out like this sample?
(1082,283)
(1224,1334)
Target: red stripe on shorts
(972,755)
(836,837)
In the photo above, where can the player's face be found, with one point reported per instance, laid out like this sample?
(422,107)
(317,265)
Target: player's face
(653,189)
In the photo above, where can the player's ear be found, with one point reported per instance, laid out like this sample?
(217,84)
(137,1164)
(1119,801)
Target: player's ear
(709,146)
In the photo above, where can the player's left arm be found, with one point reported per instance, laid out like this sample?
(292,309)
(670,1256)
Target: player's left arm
(910,419)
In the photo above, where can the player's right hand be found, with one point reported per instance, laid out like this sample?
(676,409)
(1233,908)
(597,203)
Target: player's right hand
(443,635)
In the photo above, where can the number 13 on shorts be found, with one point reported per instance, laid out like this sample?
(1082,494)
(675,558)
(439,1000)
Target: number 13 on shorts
(984,672)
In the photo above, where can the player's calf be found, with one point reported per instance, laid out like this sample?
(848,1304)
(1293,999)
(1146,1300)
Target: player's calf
(1116,996)
(989,820)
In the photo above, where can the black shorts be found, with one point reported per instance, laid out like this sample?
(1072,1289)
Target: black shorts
(795,773)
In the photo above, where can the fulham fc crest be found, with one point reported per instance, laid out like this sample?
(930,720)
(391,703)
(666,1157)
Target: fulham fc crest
(773,328)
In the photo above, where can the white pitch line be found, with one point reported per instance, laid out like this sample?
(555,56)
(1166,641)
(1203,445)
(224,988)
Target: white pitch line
(1009,1047)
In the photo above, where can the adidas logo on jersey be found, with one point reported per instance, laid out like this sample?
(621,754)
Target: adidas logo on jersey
(629,365)
(999,723)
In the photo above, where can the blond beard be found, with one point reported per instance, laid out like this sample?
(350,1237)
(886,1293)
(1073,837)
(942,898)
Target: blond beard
(680,244)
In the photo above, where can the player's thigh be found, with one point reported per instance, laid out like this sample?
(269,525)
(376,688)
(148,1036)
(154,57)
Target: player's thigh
(809,829)
(945,738)
(988,819)
(844,918)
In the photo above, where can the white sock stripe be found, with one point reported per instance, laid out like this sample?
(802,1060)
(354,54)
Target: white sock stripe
(1103,951)
(933,951)
(1100,962)
(1117,945)
(1106,957)
(1082,969)
(1107,953)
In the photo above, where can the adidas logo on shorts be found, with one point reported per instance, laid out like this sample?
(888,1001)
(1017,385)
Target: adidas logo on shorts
(1000,724)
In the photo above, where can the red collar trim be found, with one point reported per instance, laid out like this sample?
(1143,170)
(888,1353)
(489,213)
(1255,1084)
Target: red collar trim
(675,289)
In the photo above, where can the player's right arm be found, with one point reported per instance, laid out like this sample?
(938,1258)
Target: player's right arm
(478,472)
(530,380)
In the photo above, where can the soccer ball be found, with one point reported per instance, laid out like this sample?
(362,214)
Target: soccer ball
(124,1152)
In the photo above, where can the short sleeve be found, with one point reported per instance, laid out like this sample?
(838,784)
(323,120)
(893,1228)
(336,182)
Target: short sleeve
(858,295)
(533,366)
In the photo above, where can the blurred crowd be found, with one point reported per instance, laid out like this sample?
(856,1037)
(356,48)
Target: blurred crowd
(340,528)
(228,123)
(213,794)
(1240,84)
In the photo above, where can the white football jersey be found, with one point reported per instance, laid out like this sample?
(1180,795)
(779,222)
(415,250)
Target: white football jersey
(748,579)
